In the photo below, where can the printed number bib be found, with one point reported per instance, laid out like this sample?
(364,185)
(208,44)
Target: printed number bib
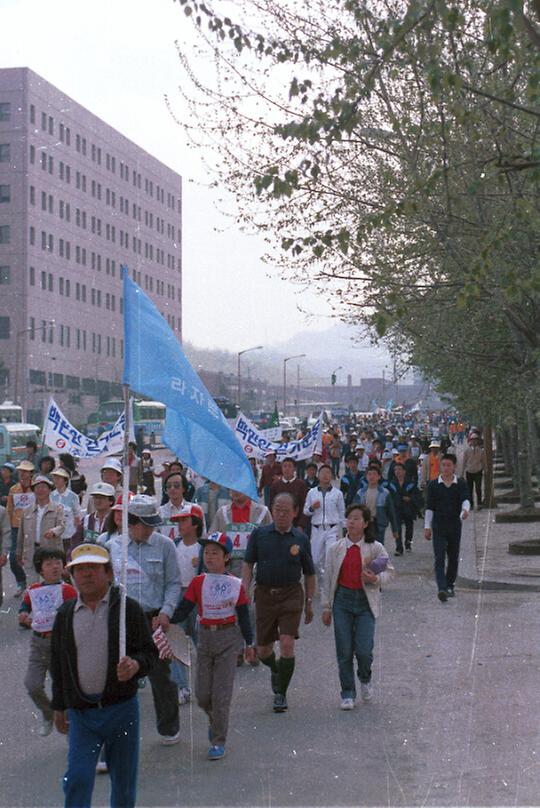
(239,534)
(219,596)
(170,529)
(45,602)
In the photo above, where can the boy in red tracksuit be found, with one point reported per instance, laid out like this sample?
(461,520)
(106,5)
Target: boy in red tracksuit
(38,609)
(223,609)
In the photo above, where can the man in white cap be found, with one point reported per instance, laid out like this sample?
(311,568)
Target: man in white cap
(94,523)
(42,525)
(20,497)
(111,473)
(94,694)
(431,464)
(153,580)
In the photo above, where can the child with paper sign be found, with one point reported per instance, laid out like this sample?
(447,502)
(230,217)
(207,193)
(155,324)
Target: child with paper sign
(38,611)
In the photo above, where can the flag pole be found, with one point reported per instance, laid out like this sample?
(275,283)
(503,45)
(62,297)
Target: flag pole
(125,530)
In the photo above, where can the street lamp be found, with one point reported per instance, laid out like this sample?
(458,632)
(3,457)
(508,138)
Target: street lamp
(17,352)
(333,377)
(287,359)
(246,350)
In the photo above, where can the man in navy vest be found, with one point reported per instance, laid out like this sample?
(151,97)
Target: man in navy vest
(447,505)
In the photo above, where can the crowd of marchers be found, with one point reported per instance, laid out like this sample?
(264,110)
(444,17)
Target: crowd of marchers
(216,580)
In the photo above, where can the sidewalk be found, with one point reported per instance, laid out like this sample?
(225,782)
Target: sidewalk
(484,558)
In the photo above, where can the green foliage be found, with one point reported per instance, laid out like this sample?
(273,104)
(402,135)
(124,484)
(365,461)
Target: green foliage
(391,151)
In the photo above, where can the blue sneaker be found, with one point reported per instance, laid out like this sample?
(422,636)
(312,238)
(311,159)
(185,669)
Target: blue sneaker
(216,752)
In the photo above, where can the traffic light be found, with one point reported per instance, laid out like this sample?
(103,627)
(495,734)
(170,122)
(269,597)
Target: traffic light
(333,378)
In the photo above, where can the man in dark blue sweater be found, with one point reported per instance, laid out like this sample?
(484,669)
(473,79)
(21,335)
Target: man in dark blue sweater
(447,505)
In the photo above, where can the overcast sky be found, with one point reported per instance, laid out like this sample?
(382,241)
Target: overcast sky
(118,59)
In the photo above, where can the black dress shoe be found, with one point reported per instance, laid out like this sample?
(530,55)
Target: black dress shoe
(443,595)
(450,592)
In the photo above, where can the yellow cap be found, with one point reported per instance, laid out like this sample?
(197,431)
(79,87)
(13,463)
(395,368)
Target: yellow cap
(89,554)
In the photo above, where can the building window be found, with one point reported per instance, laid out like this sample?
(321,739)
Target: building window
(61,132)
(44,121)
(43,200)
(5,234)
(5,193)
(32,154)
(37,376)
(77,143)
(32,328)
(32,113)
(51,165)
(51,285)
(43,280)
(5,275)
(5,111)
(61,286)
(32,276)
(43,159)
(68,136)
(4,328)
(32,235)
(68,285)
(32,195)
(5,152)
(51,125)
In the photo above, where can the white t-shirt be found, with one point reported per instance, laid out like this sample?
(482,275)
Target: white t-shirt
(40,511)
(188,561)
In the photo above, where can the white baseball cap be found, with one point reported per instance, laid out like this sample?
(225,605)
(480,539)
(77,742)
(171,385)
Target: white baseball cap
(112,463)
(102,490)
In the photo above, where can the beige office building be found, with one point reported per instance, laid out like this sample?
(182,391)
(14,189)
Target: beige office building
(77,201)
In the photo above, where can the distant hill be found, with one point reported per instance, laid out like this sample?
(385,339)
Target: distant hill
(339,345)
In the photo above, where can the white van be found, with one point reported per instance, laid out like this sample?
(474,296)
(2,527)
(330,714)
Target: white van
(13,438)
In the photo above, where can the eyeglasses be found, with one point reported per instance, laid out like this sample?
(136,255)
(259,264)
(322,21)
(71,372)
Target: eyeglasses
(174,485)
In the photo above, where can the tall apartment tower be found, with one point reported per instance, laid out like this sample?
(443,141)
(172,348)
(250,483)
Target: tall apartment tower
(77,200)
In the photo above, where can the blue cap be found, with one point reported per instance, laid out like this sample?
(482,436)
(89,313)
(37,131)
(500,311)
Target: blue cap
(218,538)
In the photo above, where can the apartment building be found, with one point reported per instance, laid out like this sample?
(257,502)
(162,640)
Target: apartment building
(77,201)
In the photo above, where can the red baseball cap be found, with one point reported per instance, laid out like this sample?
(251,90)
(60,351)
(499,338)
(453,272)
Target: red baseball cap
(190,509)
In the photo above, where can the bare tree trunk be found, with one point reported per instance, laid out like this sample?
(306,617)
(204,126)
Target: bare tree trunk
(505,449)
(489,497)
(526,498)
(534,438)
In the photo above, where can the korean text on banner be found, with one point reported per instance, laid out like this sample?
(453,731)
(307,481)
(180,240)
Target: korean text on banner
(195,428)
(59,434)
(256,444)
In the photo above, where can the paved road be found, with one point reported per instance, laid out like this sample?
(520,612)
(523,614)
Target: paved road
(454,720)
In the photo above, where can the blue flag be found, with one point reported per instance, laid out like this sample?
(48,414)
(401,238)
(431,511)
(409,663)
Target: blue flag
(195,428)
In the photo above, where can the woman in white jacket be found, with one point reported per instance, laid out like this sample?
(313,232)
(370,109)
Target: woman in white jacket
(356,567)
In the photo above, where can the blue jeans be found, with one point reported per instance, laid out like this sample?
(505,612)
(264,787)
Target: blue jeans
(16,569)
(354,632)
(116,726)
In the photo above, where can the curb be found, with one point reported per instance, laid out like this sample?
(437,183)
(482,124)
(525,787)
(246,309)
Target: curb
(469,574)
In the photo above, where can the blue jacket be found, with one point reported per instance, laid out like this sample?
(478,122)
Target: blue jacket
(386,512)
(413,507)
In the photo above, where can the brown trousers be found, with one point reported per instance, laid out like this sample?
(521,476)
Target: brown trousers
(216,666)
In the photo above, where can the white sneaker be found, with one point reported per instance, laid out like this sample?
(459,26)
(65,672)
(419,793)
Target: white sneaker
(170,740)
(46,728)
(347,704)
(101,767)
(366,691)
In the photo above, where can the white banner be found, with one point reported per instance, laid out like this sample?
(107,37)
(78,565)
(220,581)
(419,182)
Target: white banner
(255,444)
(273,433)
(60,435)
